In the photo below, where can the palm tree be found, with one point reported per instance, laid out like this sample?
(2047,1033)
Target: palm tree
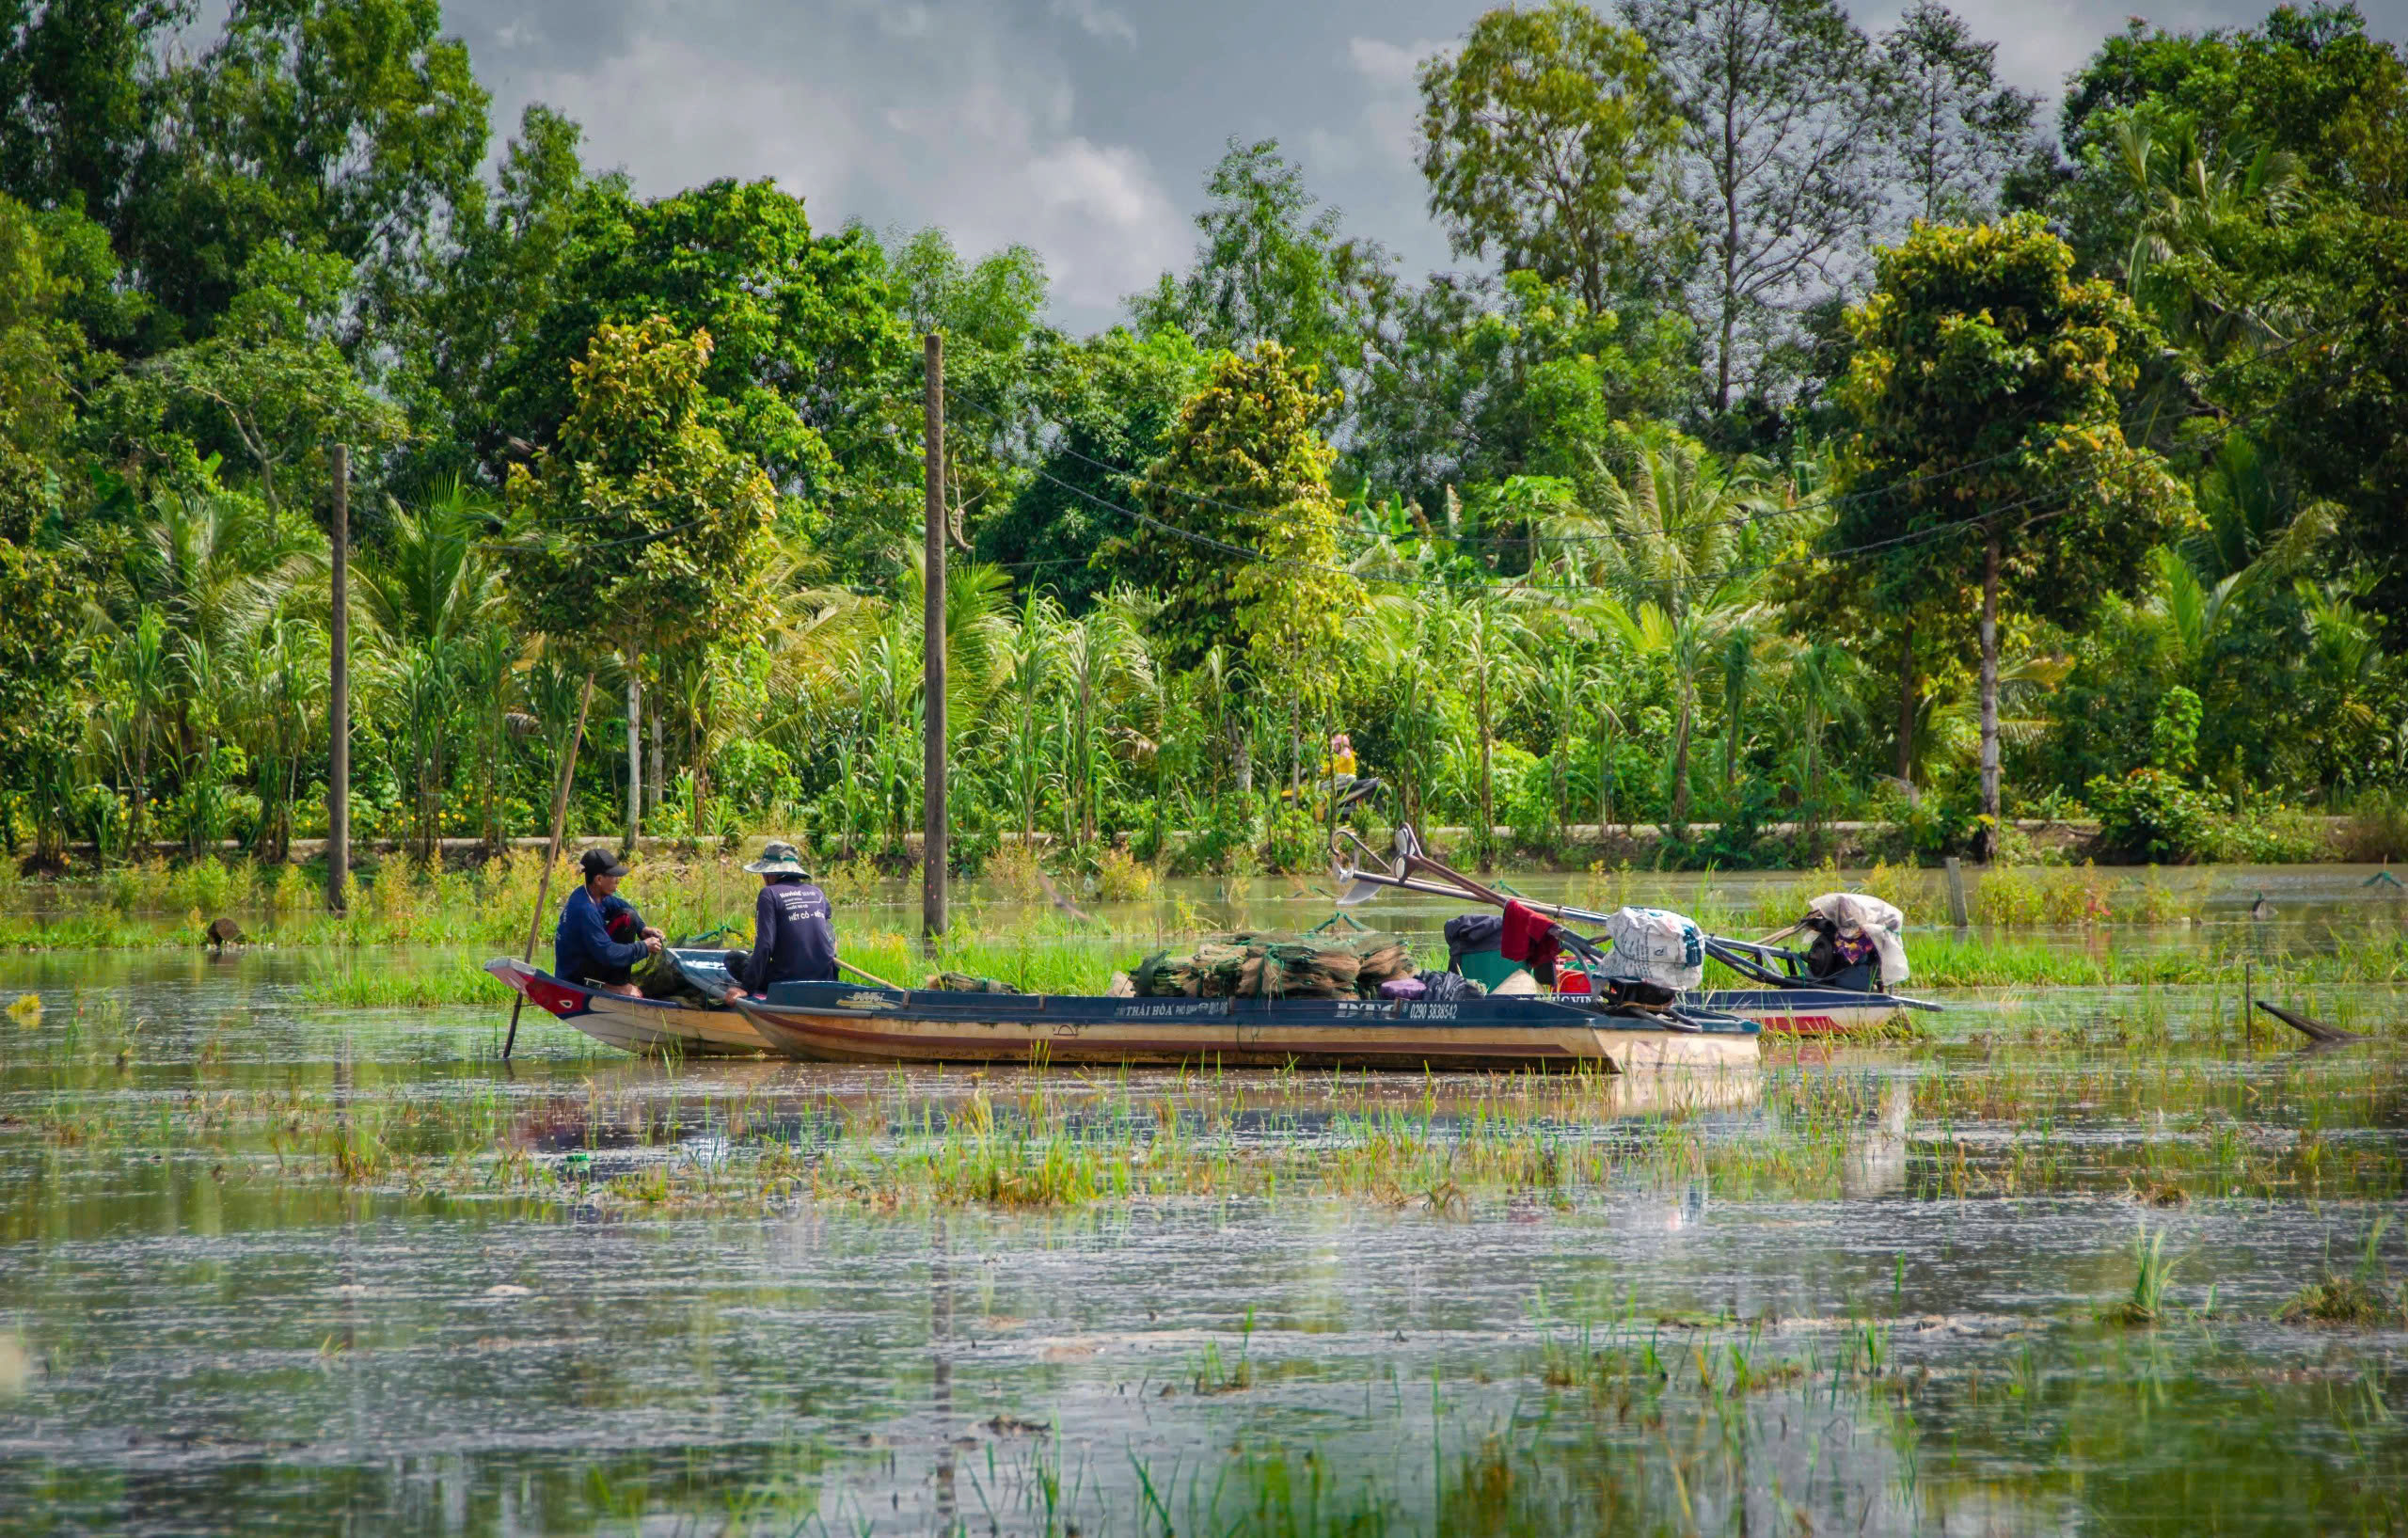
(1680,540)
(1103,664)
(2191,203)
(278,699)
(211,569)
(1027,666)
(136,676)
(1480,628)
(1820,678)
(426,595)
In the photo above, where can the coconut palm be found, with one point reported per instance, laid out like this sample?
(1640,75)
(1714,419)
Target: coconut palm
(2191,209)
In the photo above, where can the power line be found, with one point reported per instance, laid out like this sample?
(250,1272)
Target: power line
(1768,515)
(1715,579)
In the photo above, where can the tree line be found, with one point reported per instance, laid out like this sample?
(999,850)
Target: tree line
(1815,429)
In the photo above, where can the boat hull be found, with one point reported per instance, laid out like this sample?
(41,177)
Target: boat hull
(652,1027)
(1810,1011)
(835,1023)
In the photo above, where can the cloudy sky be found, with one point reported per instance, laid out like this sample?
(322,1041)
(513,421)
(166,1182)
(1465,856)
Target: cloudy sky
(1081,127)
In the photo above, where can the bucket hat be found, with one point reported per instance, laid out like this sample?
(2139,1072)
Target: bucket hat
(779,858)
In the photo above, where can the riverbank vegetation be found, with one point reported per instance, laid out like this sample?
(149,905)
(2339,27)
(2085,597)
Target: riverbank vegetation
(1978,473)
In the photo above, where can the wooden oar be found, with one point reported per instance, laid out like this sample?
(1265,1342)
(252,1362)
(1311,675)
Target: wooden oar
(870,976)
(551,851)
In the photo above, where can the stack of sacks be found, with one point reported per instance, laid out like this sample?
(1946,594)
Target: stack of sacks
(1258,967)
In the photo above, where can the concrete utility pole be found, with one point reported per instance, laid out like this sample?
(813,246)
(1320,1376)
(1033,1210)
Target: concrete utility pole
(339,690)
(932,847)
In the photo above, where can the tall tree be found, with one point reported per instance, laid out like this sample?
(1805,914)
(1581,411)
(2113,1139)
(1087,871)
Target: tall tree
(1110,400)
(346,126)
(1273,265)
(1246,475)
(640,527)
(1954,132)
(1773,97)
(454,314)
(1477,380)
(1540,138)
(42,365)
(807,348)
(1983,400)
(81,94)
(991,314)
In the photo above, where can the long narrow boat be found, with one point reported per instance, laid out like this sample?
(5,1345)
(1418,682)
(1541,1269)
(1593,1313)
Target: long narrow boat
(842,1022)
(640,1025)
(1809,1010)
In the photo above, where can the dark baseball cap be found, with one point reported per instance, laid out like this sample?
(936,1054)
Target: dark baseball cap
(601,862)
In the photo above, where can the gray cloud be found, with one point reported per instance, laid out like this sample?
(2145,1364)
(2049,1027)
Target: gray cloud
(1083,128)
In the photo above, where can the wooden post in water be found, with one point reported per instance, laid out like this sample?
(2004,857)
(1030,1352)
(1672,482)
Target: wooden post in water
(933,853)
(1957,913)
(339,687)
(553,852)
(2248,1003)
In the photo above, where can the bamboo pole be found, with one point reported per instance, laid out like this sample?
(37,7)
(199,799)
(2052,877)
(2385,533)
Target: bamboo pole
(552,853)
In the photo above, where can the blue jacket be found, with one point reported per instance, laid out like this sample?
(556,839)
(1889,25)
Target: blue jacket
(792,941)
(583,947)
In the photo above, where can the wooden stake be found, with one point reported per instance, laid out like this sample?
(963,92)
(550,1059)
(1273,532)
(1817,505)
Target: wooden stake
(933,852)
(1957,910)
(2248,1003)
(552,853)
(339,690)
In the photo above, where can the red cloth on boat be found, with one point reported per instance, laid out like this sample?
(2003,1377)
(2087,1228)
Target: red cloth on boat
(1530,939)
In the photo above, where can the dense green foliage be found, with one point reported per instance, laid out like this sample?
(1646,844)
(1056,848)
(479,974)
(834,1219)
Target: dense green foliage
(1680,510)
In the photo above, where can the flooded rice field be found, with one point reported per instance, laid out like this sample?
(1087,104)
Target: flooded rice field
(2091,1258)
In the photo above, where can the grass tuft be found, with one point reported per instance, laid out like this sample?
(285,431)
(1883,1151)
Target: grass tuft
(2343,1301)
(2151,1272)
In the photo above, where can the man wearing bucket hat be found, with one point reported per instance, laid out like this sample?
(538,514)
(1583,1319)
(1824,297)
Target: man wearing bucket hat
(792,939)
(601,936)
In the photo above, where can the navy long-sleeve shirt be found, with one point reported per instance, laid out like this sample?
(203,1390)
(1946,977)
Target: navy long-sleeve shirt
(792,939)
(583,947)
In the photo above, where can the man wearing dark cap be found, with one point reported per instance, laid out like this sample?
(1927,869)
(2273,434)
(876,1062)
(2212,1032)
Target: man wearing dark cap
(792,938)
(601,935)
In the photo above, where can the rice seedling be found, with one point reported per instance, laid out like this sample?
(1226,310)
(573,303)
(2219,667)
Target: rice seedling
(2152,1272)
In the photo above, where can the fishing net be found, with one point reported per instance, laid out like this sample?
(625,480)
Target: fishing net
(963,982)
(1260,967)
(669,976)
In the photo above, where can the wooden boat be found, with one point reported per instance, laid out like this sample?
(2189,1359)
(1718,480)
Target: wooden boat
(847,1023)
(632,1024)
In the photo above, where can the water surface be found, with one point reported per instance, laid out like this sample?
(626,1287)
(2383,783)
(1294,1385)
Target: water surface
(268,1265)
